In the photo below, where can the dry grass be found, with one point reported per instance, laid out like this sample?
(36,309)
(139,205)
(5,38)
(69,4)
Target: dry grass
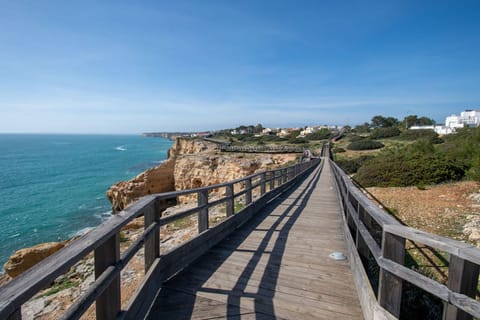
(440,209)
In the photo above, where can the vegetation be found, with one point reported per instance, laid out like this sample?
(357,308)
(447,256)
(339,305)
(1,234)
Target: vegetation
(351,165)
(412,157)
(321,134)
(414,164)
(421,134)
(379,133)
(365,145)
(63,284)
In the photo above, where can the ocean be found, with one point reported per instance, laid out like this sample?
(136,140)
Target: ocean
(52,187)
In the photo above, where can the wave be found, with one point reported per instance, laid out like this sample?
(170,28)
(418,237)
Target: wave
(103,215)
(80,232)
(121,148)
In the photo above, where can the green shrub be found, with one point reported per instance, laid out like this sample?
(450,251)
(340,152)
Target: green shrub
(419,134)
(365,145)
(338,150)
(380,133)
(321,134)
(351,166)
(416,164)
(354,138)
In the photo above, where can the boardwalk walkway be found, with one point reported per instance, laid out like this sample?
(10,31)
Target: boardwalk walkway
(276,266)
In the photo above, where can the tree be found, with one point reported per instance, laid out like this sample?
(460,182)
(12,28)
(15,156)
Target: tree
(414,120)
(258,128)
(362,128)
(383,122)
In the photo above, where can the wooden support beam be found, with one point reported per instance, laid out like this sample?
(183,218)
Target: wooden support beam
(462,278)
(152,242)
(272,180)
(263,187)
(108,303)
(248,193)
(362,246)
(229,203)
(202,213)
(390,286)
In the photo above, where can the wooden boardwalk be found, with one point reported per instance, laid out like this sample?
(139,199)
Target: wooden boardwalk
(276,266)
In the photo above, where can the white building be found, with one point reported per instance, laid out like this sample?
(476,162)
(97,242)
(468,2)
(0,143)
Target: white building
(467,118)
(307,130)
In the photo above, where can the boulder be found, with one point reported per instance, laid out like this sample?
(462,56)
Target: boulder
(25,258)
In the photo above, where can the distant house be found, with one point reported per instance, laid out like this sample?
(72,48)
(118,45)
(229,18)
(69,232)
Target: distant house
(306,131)
(282,133)
(467,118)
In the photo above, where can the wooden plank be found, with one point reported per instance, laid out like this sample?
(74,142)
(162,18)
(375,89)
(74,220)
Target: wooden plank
(202,197)
(248,192)
(152,242)
(108,303)
(462,278)
(230,208)
(438,242)
(390,285)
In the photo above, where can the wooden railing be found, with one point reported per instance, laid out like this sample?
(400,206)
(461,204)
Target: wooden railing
(372,233)
(104,242)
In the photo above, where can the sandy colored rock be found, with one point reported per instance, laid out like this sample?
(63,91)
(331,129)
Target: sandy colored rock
(25,258)
(155,180)
(192,163)
(135,224)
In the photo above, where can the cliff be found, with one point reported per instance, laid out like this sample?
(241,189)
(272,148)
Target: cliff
(192,163)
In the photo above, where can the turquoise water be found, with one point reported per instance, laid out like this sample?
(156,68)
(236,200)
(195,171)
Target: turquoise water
(52,187)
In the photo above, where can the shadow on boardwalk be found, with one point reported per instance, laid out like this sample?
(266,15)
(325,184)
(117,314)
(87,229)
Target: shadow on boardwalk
(213,287)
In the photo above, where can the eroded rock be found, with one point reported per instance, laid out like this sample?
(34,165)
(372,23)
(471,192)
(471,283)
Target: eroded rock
(25,258)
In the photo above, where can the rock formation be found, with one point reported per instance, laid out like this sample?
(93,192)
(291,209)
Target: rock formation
(192,163)
(25,258)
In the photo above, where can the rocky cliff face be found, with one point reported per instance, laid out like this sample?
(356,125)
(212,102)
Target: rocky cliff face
(155,180)
(191,164)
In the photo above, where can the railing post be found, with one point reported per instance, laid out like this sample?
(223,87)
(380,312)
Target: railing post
(248,189)
(462,278)
(263,187)
(152,243)
(202,213)
(390,286)
(272,180)
(362,246)
(108,303)
(230,201)
(279,177)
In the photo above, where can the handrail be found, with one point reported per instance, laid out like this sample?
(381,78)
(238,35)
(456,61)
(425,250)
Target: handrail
(104,241)
(360,214)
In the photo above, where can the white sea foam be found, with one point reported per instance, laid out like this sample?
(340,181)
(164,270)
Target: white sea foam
(80,232)
(103,215)
(121,148)
(14,236)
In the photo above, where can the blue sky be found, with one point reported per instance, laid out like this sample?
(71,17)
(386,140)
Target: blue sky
(134,66)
